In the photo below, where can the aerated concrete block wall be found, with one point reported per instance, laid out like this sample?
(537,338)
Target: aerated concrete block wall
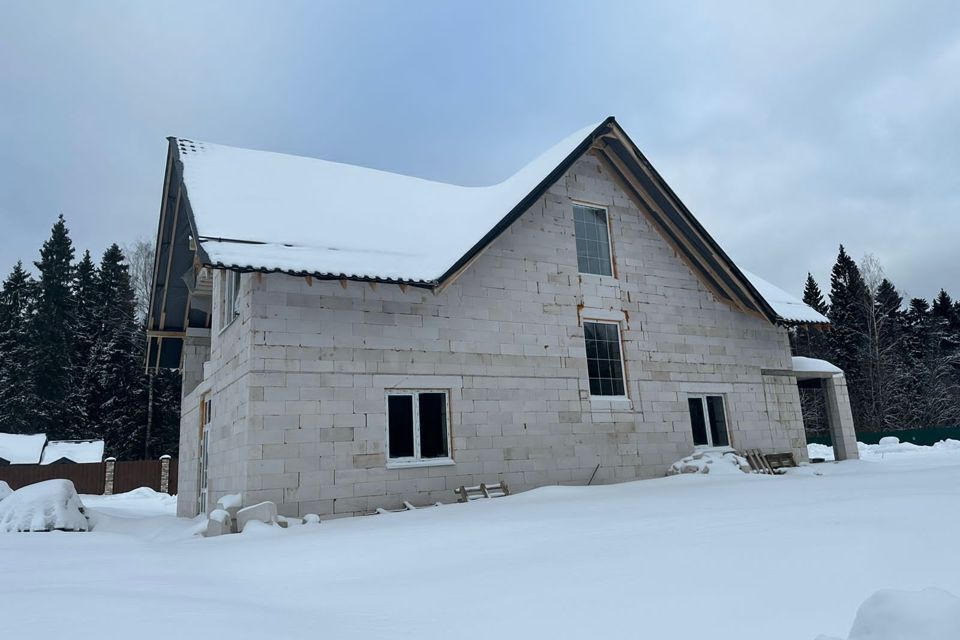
(312,363)
(229,369)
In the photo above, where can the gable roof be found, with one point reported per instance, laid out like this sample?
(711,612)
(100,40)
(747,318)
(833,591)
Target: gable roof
(262,211)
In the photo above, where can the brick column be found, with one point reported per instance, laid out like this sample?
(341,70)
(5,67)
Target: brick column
(108,476)
(164,474)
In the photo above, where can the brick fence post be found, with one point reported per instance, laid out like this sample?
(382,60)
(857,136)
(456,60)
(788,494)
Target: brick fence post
(164,474)
(108,476)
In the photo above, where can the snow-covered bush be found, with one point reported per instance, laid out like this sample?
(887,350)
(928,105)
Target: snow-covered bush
(44,506)
(5,490)
(710,461)
(890,614)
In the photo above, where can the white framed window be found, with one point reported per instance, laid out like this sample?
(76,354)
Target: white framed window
(604,358)
(592,231)
(229,298)
(206,415)
(418,427)
(708,419)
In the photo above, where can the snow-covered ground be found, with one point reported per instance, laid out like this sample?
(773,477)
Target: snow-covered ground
(694,555)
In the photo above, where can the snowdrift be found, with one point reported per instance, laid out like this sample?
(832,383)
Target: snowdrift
(890,614)
(716,461)
(44,506)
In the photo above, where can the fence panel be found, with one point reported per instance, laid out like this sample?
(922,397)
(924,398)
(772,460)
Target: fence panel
(927,436)
(132,474)
(172,489)
(87,478)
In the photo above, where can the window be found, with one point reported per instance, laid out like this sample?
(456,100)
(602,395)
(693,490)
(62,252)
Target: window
(230,300)
(417,426)
(206,413)
(604,362)
(709,421)
(593,240)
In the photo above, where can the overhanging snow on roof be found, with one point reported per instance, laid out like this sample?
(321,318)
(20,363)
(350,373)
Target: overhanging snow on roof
(788,307)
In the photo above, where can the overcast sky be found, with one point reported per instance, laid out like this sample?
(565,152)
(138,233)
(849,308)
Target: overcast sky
(786,130)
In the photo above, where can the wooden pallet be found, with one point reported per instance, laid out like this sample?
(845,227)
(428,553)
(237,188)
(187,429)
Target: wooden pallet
(779,461)
(482,490)
(758,463)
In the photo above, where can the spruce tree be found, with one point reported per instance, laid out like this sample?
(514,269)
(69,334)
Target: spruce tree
(51,332)
(18,399)
(86,327)
(890,367)
(809,340)
(848,338)
(812,295)
(119,394)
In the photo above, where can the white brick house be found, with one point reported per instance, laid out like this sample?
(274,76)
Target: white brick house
(350,339)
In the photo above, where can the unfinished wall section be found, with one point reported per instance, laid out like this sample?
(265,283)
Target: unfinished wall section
(506,341)
(226,378)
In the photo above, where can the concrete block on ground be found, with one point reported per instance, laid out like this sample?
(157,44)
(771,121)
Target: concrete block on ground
(265,512)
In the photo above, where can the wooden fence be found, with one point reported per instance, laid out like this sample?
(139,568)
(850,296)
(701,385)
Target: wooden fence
(98,477)
(87,478)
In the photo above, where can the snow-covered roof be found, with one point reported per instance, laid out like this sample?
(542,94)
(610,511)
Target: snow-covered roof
(316,216)
(80,451)
(802,364)
(18,448)
(788,307)
(265,211)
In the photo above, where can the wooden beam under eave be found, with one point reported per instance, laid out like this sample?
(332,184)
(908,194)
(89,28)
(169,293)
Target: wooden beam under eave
(668,231)
(166,334)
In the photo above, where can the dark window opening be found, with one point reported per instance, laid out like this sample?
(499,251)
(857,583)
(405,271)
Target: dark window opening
(604,364)
(417,426)
(433,425)
(400,415)
(708,421)
(697,420)
(593,240)
(718,422)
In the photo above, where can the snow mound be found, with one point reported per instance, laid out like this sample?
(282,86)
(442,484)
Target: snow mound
(230,501)
(219,515)
(891,614)
(5,490)
(716,461)
(889,446)
(44,506)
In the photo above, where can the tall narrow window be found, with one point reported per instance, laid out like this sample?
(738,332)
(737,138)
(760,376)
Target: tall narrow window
(709,421)
(417,426)
(206,413)
(230,300)
(593,240)
(604,362)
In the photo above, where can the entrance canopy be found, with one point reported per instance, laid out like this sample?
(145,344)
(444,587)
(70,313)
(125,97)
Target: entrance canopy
(812,368)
